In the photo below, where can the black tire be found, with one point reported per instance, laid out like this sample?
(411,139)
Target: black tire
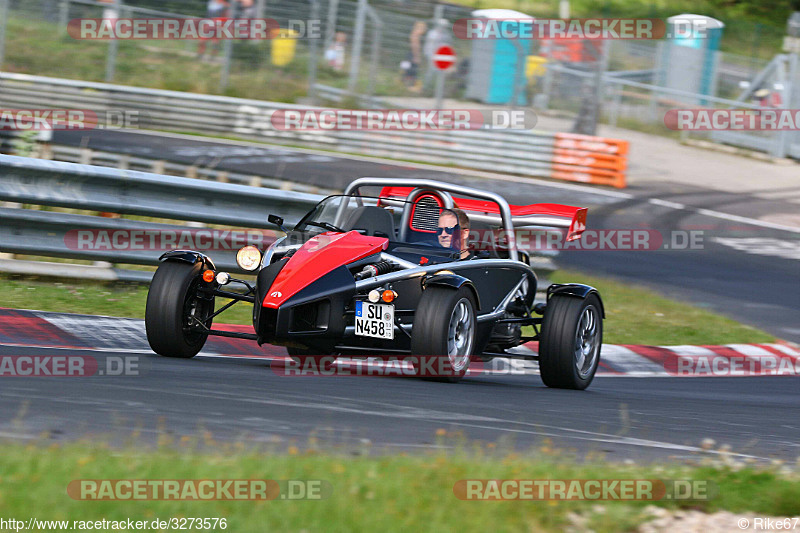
(561,339)
(431,345)
(170,300)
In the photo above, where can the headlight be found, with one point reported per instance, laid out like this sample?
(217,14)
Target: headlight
(248,258)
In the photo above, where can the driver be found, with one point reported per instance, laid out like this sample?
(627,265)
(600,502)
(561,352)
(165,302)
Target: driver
(453,232)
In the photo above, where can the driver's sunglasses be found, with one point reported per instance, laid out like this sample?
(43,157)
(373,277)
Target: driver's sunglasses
(449,230)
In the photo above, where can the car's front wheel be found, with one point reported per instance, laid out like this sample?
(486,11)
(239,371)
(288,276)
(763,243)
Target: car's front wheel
(443,335)
(173,306)
(570,341)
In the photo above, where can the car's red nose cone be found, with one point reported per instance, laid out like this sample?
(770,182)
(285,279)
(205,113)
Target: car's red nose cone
(318,256)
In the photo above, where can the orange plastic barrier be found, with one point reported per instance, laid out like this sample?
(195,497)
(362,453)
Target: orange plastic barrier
(589,159)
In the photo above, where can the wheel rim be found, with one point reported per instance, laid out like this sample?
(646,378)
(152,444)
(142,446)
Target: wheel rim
(459,335)
(197,307)
(586,341)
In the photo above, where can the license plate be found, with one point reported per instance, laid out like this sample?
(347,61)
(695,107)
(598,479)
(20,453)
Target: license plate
(374,320)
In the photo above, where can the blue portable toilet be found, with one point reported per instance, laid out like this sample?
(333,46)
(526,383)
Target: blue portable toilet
(689,57)
(497,62)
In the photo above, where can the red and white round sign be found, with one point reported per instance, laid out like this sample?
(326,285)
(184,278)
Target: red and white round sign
(444,57)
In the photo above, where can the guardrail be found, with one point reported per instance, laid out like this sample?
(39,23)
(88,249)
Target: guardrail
(76,186)
(523,152)
(95,189)
(89,156)
(99,189)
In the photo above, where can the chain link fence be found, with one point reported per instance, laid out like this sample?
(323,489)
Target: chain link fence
(347,47)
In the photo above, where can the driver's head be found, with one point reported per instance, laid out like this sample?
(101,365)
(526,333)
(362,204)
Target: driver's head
(453,228)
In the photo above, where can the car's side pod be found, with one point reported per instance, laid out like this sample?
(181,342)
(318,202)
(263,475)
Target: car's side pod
(454,281)
(188,256)
(578,290)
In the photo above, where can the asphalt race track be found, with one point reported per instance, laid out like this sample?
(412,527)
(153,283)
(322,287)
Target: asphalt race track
(641,418)
(746,271)
(243,399)
(240,392)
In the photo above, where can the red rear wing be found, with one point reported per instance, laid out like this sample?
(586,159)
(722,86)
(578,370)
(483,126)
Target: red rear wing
(549,215)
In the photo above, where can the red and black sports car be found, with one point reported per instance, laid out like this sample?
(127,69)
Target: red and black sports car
(420,269)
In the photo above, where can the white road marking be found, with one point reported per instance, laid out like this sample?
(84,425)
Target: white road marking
(750,350)
(629,361)
(762,246)
(689,349)
(102,332)
(788,350)
(744,220)
(666,203)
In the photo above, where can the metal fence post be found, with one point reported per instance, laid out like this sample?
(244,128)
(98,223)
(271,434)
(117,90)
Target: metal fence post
(614,113)
(438,13)
(63,16)
(782,140)
(228,53)
(113,47)
(542,100)
(330,26)
(358,40)
(313,55)
(3,23)
(589,114)
(377,30)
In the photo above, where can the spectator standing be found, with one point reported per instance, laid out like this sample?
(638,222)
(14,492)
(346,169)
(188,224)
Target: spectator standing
(414,61)
(334,55)
(218,10)
(247,9)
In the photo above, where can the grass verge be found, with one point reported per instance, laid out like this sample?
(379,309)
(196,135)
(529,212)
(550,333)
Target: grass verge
(636,315)
(368,493)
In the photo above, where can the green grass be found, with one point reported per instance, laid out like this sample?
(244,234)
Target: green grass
(37,47)
(633,315)
(636,315)
(92,298)
(369,492)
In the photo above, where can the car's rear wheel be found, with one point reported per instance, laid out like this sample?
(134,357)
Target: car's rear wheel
(173,304)
(443,335)
(570,341)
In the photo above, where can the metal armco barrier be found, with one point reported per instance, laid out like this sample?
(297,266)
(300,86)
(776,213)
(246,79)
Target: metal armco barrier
(525,152)
(70,185)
